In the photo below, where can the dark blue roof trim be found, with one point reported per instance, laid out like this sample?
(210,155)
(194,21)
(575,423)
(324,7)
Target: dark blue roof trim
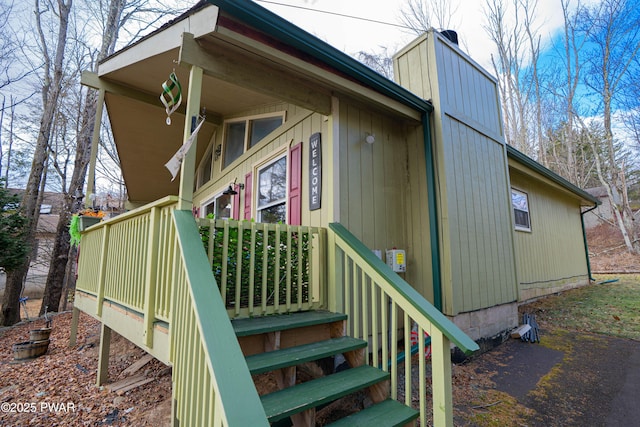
(272,24)
(537,167)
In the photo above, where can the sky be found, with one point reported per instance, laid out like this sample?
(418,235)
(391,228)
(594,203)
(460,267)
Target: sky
(352,35)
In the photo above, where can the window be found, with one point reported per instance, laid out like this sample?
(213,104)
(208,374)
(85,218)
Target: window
(272,192)
(520,204)
(219,206)
(241,135)
(204,171)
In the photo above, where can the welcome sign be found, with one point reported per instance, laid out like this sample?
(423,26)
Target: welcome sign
(315,171)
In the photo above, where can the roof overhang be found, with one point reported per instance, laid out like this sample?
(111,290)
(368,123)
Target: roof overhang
(531,168)
(250,57)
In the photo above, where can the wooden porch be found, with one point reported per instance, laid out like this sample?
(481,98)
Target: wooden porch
(180,289)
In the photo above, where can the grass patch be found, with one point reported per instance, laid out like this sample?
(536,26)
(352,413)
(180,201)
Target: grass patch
(498,409)
(603,308)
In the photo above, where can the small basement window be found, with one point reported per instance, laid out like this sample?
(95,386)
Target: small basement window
(520,204)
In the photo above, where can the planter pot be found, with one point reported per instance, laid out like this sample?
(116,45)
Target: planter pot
(39,334)
(87,221)
(30,349)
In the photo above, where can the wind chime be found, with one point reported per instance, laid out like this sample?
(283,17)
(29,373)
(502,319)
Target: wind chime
(171,95)
(171,98)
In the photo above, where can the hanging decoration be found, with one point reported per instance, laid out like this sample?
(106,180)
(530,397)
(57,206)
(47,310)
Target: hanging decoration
(171,95)
(174,164)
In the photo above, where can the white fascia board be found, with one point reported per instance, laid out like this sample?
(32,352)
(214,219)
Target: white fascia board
(201,23)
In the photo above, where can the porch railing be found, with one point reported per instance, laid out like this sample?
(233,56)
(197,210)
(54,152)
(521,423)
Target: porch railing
(151,262)
(380,304)
(266,268)
(211,382)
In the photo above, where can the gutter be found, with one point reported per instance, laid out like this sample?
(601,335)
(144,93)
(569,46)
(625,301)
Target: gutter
(584,237)
(433,213)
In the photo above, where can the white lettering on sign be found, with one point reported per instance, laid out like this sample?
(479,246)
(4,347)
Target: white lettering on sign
(315,171)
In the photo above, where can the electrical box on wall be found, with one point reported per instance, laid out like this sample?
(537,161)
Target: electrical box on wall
(396,259)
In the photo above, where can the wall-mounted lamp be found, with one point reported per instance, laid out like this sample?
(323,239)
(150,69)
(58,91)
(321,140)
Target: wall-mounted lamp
(231,191)
(370,138)
(218,151)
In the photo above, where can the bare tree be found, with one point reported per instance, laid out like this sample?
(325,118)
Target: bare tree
(421,15)
(614,34)
(109,18)
(380,62)
(52,73)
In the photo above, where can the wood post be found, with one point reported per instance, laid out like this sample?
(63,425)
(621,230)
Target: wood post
(103,359)
(75,318)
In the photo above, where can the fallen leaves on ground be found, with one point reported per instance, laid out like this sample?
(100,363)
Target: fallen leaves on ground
(59,388)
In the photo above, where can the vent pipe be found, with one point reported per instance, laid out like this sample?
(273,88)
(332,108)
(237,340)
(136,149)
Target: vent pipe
(450,35)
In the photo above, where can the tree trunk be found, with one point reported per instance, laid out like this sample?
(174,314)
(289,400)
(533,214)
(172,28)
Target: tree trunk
(51,89)
(58,264)
(60,259)
(10,314)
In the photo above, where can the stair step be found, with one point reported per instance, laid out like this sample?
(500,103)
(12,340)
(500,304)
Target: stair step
(281,322)
(265,362)
(388,413)
(289,401)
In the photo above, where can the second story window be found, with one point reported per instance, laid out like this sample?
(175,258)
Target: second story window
(242,134)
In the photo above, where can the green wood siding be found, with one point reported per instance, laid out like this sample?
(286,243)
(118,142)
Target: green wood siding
(372,178)
(477,250)
(417,216)
(551,256)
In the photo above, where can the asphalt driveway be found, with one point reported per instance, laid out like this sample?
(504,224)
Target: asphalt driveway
(570,379)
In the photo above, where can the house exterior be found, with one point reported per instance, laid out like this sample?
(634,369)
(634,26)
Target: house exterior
(301,141)
(298,134)
(40,256)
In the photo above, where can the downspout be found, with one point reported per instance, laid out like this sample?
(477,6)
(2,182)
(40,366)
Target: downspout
(584,237)
(433,212)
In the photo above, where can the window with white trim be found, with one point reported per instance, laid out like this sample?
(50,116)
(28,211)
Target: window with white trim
(219,206)
(520,205)
(242,134)
(272,191)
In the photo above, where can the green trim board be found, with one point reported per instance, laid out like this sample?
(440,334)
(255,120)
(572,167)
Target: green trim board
(547,173)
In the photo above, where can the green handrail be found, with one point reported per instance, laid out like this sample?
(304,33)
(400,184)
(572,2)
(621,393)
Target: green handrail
(412,297)
(234,388)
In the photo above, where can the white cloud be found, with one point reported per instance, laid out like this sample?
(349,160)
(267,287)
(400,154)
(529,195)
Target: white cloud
(351,35)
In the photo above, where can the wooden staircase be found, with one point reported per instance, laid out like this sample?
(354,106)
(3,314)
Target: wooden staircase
(279,343)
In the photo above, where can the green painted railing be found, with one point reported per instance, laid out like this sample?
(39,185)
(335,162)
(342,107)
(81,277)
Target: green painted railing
(125,260)
(211,382)
(266,268)
(151,262)
(380,304)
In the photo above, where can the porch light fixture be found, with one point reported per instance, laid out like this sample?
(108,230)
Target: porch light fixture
(218,151)
(370,139)
(230,191)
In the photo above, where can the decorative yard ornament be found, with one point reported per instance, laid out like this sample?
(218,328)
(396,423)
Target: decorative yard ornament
(171,99)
